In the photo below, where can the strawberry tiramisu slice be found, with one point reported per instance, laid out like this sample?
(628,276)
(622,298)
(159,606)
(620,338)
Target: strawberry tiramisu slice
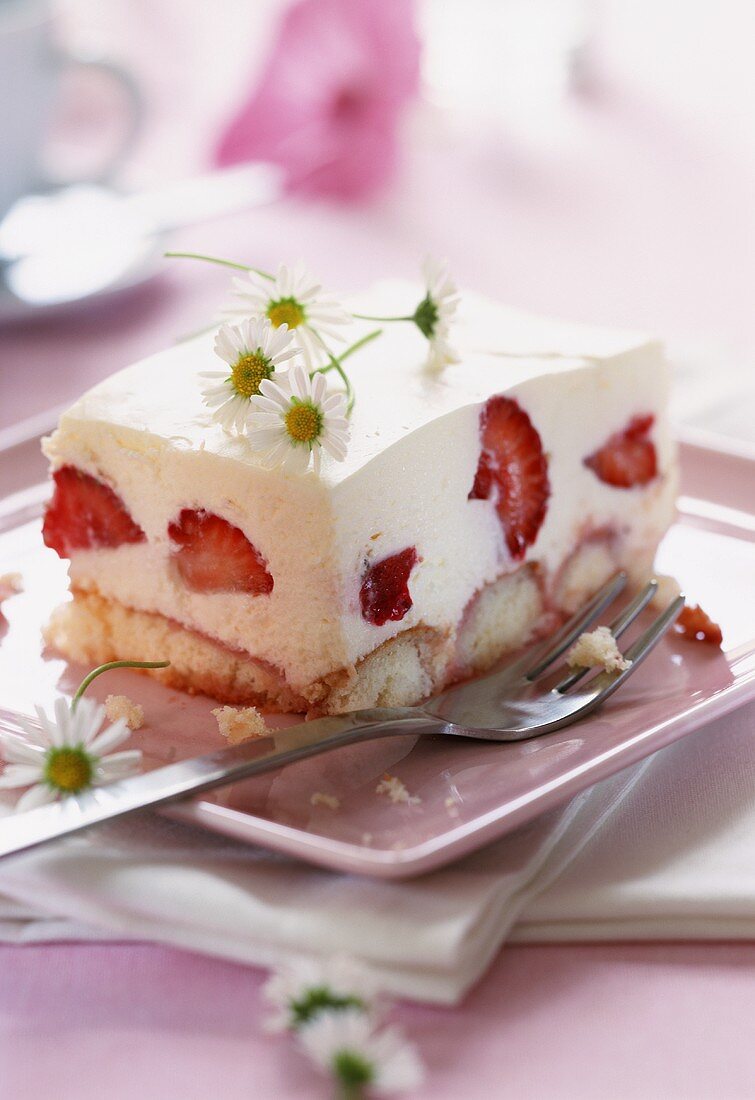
(475,506)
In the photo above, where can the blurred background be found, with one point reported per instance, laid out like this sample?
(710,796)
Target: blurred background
(593,159)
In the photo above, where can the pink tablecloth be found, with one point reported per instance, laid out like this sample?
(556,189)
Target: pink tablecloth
(643,216)
(548,1022)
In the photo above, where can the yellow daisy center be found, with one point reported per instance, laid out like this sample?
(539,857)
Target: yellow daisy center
(286,311)
(303,422)
(248,371)
(69,770)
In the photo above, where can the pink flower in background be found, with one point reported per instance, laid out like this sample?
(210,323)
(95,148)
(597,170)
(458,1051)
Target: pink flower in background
(331,95)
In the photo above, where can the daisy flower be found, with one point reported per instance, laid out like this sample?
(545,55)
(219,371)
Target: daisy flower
(66,754)
(298,418)
(359,1058)
(253,350)
(434,314)
(303,988)
(293,298)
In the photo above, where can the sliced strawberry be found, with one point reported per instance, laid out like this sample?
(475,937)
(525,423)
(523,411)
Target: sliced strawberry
(694,623)
(513,471)
(214,556)
(384,594)
(85,514)
(628,457)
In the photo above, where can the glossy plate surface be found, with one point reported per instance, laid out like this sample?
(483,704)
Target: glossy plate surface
(469,792)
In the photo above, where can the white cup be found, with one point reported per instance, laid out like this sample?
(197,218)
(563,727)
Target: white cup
(31,68)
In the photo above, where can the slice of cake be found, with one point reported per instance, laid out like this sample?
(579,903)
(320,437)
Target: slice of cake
(474,508)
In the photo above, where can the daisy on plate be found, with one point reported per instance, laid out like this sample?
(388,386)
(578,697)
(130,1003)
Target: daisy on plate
(65,754)
(359,1058)
(435,312)
(295,299)
(304,987)
(253,350)
(297,419)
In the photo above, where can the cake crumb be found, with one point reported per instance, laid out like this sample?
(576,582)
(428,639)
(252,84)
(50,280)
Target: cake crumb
(597,649)
(452,806)
(396,791)
(239,724)
(329,800)
(667,591)
(120,706)
(10,584)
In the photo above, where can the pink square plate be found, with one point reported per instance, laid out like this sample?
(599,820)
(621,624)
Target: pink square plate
(467,793)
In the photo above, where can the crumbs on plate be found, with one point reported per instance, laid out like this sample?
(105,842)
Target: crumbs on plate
(321,799)
(238,724)
(120,706)
(452,806)
(392,786)
(597,649)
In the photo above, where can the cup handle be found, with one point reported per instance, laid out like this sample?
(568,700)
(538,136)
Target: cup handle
(120,76)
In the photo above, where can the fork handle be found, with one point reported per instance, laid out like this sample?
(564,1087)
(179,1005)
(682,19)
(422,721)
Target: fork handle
(215,769)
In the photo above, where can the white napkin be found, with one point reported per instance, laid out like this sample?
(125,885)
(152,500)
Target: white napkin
(677,860)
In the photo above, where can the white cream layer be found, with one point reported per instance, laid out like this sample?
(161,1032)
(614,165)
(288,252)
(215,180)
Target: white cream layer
(414,451)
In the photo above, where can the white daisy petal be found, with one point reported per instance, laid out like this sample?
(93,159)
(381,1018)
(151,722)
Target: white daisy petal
(62,724)
(333,403)
(300,384)
(335,450)
(110,738)
(31,734)
(38,795)
(118,766)
(296,459)
(19,775)
(18,751)
(393,1063)
(84,721)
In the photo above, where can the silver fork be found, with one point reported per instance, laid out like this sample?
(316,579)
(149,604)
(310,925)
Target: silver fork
(520,701)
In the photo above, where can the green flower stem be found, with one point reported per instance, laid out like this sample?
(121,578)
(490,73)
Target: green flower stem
(368,317)
(350,396)
(222,263)
(335,364)
(360,343)
(106,668)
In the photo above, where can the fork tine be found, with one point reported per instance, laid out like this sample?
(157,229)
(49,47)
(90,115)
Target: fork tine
(617,627)
(639,651)
(563,638)
(608,682)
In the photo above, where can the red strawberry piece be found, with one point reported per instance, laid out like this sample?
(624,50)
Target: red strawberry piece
(694,623)
(513,471)
(214,556)
(85,514)
(384,594)
(628,457)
